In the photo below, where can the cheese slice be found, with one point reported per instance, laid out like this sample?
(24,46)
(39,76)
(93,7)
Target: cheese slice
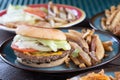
(44,54)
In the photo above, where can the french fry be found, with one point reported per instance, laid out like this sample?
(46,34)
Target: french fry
(70,15)
(60,20)
(112,78)
(107,13)
(75,32)
(94,58)
(52,23)
(63,14)
(75,60)
(89,37)
(86,34)
(92,32)
(112,9)
(117,75)
(115,20)
(106,55)
(67,62)
(99,48)
(93,45)
(102,71)
(93,49)
(107,45)
(109,48)
(85,57)
(55,10)
(78,61)
(58,24)
(83,31)
(82,65)
(73,38)
(73,17)
(79,39)
(110,19)
(116,29)
(50,12)
(103,23)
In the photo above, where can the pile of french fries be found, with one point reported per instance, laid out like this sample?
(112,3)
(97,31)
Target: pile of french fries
(60,16)
(111,21)
(87,48)
(101,75)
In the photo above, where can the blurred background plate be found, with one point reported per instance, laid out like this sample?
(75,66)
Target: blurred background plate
(8,56)
(80,15)
(108,71)
(4,27)
(95,21)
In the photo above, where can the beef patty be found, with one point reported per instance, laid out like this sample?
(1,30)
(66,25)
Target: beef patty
(40,59)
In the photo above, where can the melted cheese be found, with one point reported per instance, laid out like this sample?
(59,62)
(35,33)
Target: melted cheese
(44,54)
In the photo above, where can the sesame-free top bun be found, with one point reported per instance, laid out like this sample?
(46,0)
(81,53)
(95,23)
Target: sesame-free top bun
(44,33)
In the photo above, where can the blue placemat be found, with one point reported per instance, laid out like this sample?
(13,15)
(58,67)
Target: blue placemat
(91,7)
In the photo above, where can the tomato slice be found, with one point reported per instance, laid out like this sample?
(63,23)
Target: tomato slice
(22,50)
(35,11)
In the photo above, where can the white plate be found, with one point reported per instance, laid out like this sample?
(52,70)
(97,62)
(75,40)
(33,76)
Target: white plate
(81,15)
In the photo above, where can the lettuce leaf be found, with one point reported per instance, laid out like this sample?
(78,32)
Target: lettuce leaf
(75,53)
(16,14)
(52,44)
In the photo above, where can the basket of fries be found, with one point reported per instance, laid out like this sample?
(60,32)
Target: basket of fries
(111,20)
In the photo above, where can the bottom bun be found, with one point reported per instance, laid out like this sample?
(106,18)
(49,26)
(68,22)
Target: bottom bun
(44,65)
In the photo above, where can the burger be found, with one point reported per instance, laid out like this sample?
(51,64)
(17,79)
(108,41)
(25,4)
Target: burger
(40,47)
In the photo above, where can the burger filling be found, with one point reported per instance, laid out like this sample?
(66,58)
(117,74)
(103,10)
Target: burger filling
(35,50)
(28,44)
(44,58)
